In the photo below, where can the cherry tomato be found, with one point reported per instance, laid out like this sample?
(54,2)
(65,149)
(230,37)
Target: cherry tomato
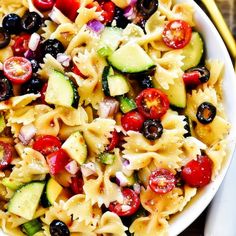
(44,5)
(162,181)
(129,206)
(191,79)
(76,70)
(17,69)
(21,45)
(43,92)
(57,161)
(114,141)
(177,34)
(197,173)
(77,184)
(69,9)
(6,155)
(108,11)
(152,103)
(132,120)
(47,144)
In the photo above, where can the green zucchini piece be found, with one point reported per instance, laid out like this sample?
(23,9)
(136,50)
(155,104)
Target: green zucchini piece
(32,227)
(131,58)
(107,158)
(110,40)
(193,51)
(26,200)
(118,85)
(107,71)
(127,104)
(11,184)
(2,123)
(61,90)
(76,147)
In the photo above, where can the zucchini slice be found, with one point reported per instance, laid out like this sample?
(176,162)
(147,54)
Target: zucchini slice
(118,85)
(11,184)
(131,58)
(107,71)
(76,147)
(193,51)
(26,200)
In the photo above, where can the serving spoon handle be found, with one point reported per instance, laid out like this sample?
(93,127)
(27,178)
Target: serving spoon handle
(220,24)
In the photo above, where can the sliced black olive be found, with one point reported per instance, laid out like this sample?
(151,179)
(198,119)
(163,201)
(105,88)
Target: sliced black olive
(34,64)
(146,82)
(6,90)
(147,7)
(187,127)
(204,73)
(53,47)
(152,129)
(31,22)
(206,113)
(121,21)
(5,38)
(12,23)
(58,228)
(34,85)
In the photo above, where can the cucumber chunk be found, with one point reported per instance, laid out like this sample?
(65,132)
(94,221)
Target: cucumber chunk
(11,184)
(32,227)
(61,90)
(176,92)
(110,40)
(118,85)
(107,158)
(131,58)
(76,147)
(26,200)
(107,71)
(193,51)
(127,104)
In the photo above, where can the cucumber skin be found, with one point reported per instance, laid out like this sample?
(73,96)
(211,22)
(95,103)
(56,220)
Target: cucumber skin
(105,74)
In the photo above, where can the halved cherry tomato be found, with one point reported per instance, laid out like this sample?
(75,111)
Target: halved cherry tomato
(6,155)
(152,103)
(69,8)
(76,70)
(21,45)
(108,8)
(77,184)
(43,92)
(57,161)
(177,34)
(162,181)
(114,141)
(17,69)
(44,5)
(197,173)
(47,144)
(129,206)
(132,120)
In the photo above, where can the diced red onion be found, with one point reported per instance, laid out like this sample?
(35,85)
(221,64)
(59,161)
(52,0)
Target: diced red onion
(137,188)
(128,11)
(63,59)
(121,179)
(55,15)
(72,167)
(108,107)
(95,25)
(34,41)
(88,169)
(126,162)
(29,54)
(27,132)
(133,2)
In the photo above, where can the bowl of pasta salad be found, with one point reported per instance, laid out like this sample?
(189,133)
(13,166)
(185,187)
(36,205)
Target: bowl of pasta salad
(116,117)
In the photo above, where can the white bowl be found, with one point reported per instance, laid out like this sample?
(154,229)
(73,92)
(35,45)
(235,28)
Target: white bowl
(216,49)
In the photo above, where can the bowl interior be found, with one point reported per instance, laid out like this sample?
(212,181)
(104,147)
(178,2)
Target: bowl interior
(215,49)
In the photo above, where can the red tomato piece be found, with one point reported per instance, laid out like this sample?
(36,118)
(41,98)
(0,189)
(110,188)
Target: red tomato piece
(77,184)
(129,206)
(21,45)
(191,79)
(197,173)
(177,34)
(114,141)
(47,144)
(17,69)
(76,70)
(69,8)
(6,156)
(108,11)
(44,5)
(43,92)
(162,181)
(132,120)
(57,161)
(152,103)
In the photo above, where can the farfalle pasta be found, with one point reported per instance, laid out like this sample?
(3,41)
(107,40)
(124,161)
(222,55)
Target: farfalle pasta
(106,116)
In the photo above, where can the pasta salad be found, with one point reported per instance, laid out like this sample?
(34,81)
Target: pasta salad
(111,116)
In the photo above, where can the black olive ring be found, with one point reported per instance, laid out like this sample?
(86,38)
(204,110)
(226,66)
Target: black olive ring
(5,38)
(152,129)
(206,113)
(204,73)
(59,228)
(6,90)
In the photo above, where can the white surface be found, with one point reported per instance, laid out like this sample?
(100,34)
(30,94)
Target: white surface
(215,49)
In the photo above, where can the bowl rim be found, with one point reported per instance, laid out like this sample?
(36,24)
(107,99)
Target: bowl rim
(197,205)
